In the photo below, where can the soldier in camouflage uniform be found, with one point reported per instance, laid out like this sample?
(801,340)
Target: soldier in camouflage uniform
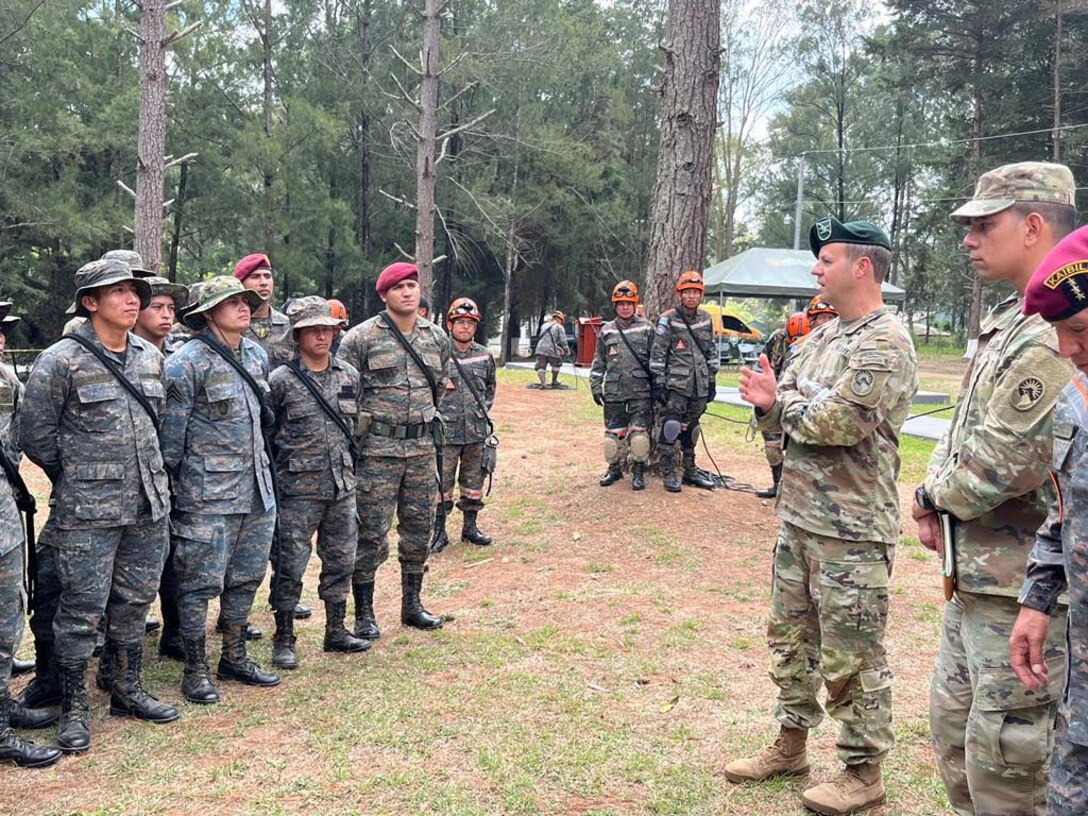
(841,404)
(551,348)
(466,424)
(619,380)
(1058,291)
(397,469)
(777,350)
(268,327)
(989,474)
(684,362)
(316,473)
(224,505)
(99,447)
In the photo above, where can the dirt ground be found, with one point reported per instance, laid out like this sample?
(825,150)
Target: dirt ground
(669,593)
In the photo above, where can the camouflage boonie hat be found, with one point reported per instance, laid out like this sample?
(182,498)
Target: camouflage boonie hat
(311,311)
(206,295)
(103,273)
(999,189)
(134,260)
(178,293)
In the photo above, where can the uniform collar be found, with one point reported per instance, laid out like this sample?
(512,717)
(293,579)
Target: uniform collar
(856,325)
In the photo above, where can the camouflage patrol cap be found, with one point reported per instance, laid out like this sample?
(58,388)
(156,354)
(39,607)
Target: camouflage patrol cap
(134,260)
(999,189)
(831,230)
(305,312)
(206,295)
(105,272)
(178,293)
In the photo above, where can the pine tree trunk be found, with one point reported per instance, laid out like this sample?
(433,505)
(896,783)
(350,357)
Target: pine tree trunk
(689,90)
(428,130)
(151,138)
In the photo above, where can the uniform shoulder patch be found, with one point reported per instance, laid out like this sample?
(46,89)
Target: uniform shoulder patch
(662,325)
(1027,393)
(862,382)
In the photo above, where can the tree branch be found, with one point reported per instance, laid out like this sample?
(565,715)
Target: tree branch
(174,36)
(20,26)
(404,252)
(126,188)
(188,157)
(397,199)
(408,65)
(467,125)
(453,63)
(404,93)
(456,96)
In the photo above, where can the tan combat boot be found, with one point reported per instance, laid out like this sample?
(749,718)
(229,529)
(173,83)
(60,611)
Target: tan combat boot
(857,788)
(784,757)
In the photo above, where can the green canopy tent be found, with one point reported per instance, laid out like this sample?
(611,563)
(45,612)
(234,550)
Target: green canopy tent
(771,273)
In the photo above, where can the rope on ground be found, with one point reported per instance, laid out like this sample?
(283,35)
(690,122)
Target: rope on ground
(717,477)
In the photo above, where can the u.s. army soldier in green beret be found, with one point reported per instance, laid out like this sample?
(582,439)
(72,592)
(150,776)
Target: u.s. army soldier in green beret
(991,736)
(841,404)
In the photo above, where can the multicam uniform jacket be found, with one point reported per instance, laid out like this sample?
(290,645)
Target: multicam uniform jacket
(211,435)
(465,422)
(616,373)
(842,403)
(313,460)
(679,363)
(990,470)
(79,425)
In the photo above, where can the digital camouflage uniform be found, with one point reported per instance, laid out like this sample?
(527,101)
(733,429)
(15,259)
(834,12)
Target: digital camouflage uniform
(1059,559)
(397,469)
(273,334)
(317,480)
(621,378)
(466,426)
(992,737)
(551,348)
(840,404)
(777,349)
(11,534)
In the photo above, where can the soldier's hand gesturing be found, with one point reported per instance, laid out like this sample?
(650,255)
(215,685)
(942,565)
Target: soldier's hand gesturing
(758,387)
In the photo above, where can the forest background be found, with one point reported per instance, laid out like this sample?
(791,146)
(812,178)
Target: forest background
(300,117)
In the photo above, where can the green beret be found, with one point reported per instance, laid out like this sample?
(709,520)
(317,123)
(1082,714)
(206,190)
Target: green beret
(831,230)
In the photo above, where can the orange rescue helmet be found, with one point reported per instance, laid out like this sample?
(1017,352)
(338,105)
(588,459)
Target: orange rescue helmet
(558,315)
(816,306)
(689,280)
(338,310)
(462,307)
(625,292)
(797,325)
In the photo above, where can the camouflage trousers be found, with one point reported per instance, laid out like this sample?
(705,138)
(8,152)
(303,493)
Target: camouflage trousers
(992,736)
(463,463)
(113,572)
(46,585)
(543,361)
(221,556)
(406,486)
(852,611)
(772,448)
(337,538)
(1068,792)
(11,612)
(686,411)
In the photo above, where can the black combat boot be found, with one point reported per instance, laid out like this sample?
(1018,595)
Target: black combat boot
(302,612)
(692,475)
(412,612)
(235,664)
(107,666)
(668,468)
(128,697)
(73,734)
(151,625)
(337,638)
(470,532)
(772,491)
(196,682)
(22,666)
(170,640)
(251,631)
(284,655)
(14,748)
(440,540)
(612,475)
(366,625)
(637,481)
(44,688)
(32,718)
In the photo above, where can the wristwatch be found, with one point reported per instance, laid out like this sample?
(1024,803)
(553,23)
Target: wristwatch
(921,498)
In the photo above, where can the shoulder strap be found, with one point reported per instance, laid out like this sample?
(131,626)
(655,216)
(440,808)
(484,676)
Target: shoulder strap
(687,325)
(415,357)
(475,394)
(323,404)
(631,349)
(114,368)
(234,363)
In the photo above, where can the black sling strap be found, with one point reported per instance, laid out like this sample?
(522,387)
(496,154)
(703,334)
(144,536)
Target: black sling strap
(691,332)
(24,502)
(475,394)
(114,368)
(415,358)
(630,348)
(323,403)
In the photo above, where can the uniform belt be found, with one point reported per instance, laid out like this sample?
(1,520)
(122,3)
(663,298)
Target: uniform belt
(400,431)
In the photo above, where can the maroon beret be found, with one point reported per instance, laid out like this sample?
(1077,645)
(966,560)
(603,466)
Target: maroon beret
(394,274)
(1059,286)
(250,264)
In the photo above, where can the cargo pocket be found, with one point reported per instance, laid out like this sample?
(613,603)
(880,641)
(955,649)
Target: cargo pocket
(98,407)
(855,593)
(222,397)
(97,489)
(1009,725)
(222,475)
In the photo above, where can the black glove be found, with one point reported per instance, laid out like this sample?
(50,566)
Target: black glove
(660,394)
(598,398)
(712,391)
